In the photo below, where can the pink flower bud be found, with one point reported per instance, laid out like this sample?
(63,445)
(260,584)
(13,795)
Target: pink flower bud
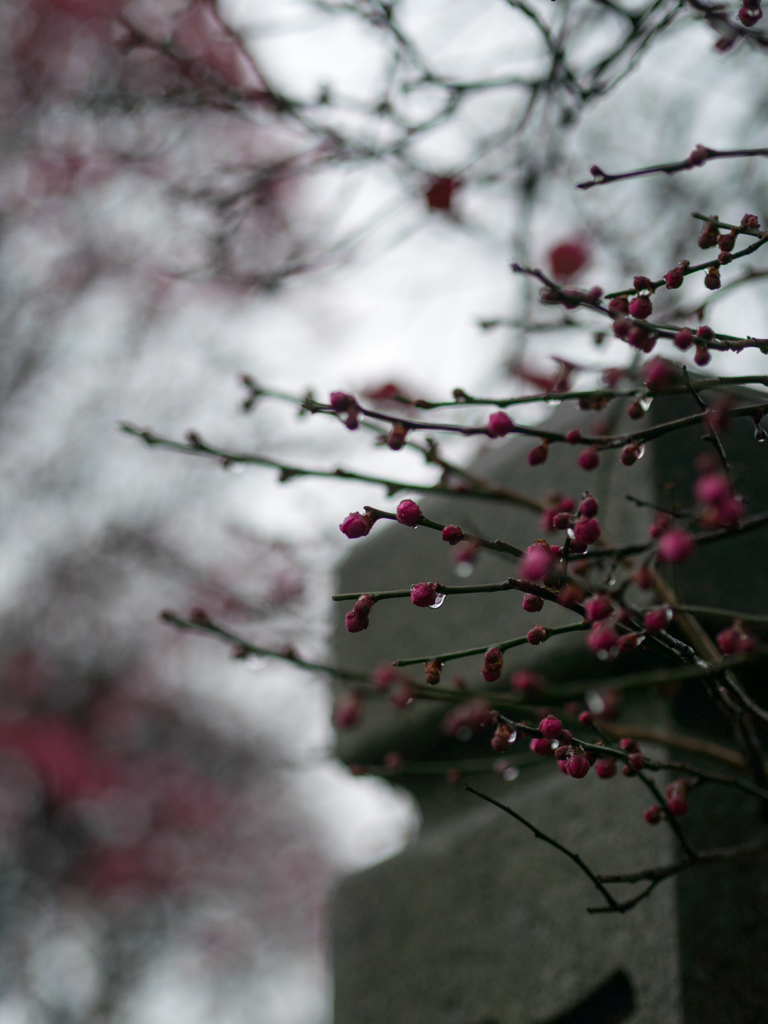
(573,436)
(432,672)
(653,814)
(551,727)
(541,746)
(630,455)
(657,619)
(660,524)
(640,307)
(356,525)
(640,338)
(533,603)
(538,454)
(724,257)
(452,534)
(619,305)
(589,459)
(683,339)
(563,752)
(586,531)
(705,333)
(642,283)
(499,424)
(734,640)
(659,373)
(402,692)
(577,766)
(678,805)
(703,356)
(537,635)
(630,744)
(500,739)
(363,605)
(749,16)
(643,578)
(346,710)
(676,546)
(675,277)
(712,488)
(601,637)
(598,607)
(636,762)
(708,236)
(423,594)
(355,623)
(622,327)
(606,767)
(536,563)
(712,278)
(342,402)
(628,642)
(561,521)
(586,718)
(492,665)
(588,507)
(530,684)
(408,513)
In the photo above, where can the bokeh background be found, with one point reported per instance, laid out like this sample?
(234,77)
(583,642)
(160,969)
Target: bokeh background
(329,198)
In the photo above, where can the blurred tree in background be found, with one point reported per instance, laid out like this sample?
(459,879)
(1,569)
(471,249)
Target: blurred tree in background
(323,194)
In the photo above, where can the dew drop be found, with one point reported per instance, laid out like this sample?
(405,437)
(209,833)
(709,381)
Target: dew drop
(760,435)
(594,702)
(439,598)
(646,402)
(640,451)
(464,569)
(512,736)
(511,773)
(235,468)
(555,744)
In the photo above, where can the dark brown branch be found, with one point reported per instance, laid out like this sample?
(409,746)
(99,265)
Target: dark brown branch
(700,156)
(612,905)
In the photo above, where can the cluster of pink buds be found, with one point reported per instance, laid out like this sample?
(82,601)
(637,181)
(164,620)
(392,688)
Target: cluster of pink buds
(735,639)
(345,404)
(356,620)
(719,505)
